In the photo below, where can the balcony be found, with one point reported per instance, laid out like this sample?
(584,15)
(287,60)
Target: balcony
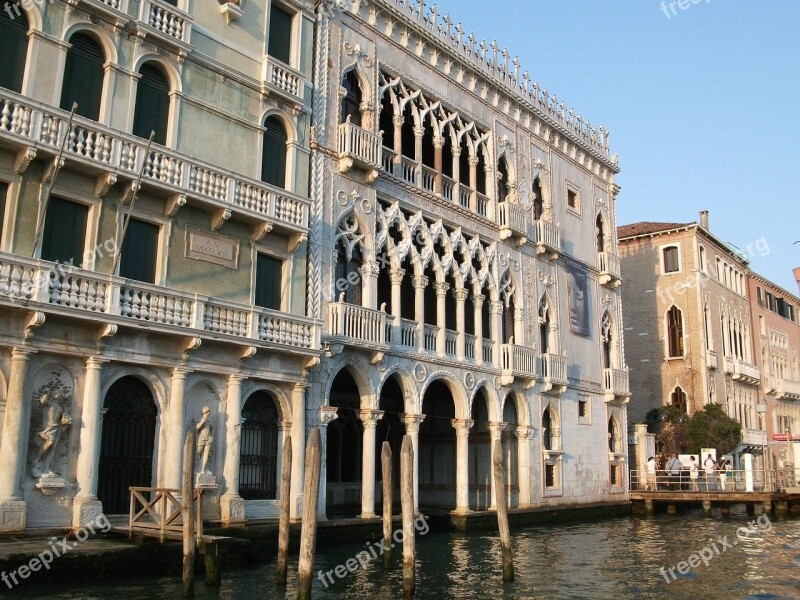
(518,361)
(115,11)
(615,385)
(359,148)
(742,371)
(513,222)
(36,130)
(787,390)
(357,327)
(711,359)
(282,80)
(547,238)
(609,268)
(165,23)
(69,291)
(554,372)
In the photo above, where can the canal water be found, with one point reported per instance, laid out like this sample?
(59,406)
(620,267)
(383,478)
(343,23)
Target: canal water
(614,558)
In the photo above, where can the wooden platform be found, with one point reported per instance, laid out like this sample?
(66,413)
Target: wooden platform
(718,496)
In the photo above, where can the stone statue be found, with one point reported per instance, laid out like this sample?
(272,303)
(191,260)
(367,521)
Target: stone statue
(205,439)
(54,421)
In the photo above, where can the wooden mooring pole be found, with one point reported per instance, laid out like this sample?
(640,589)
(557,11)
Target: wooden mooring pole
(187,501)
(386,470)
(308,530)
(502,511)
(407,502)
(283,522)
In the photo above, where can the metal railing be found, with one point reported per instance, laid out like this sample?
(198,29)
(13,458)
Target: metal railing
(755,480)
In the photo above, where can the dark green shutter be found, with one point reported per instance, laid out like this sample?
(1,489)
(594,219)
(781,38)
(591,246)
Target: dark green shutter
(280,34)
(273,157)
(3,194)
(13,49)
(152,105)
(83,77)
(139,249)
(269,278)
(64,232)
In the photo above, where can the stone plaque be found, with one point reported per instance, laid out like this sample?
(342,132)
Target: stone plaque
(212,248)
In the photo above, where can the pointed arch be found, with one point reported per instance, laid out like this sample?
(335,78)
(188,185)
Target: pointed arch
(674,328)
(678,399)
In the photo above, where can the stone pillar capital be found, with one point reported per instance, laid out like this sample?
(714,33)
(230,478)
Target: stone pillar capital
(419,131)
(525,432)
(327,414)
(461,294)
(370,417)
(441,288)
(398,120)
(438,142)
(497,427)
(370,269)
(420,281)
(496,308)
(412,423)
(477,300)
(396,276)
(19,353)
(96,362)
(473,161)
(462,426)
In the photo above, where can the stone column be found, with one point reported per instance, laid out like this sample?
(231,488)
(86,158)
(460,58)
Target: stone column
(327,414)
(420,283)
(419,132)
(524,435)
(86,507)
(438,144)
(490,193)
(495,434)
(441,309)
(369,289)
(519,326)
(461,296)
(496,312)
(473,182)
(176,430)
(412,423)
(396,277)
(477,301)
(462,427)
(231,503)
(398,121)
(13,449)
(456,173)
(298,448)
(370,420)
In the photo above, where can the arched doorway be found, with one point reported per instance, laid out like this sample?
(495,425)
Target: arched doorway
(126,447)
(390,429)
(480,458)
(344,444)
(258,448)
(437,448)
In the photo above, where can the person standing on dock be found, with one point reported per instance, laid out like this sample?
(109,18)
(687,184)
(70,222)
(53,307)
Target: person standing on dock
(674,467)
(710,466)
(650,483)
(694,474)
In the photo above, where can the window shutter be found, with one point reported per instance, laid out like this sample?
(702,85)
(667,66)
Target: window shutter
(64,232)
(273,158)
(152,105)
(280,34)
(139,251)
(13,49)
(269,279)
(83,77)
(3,194)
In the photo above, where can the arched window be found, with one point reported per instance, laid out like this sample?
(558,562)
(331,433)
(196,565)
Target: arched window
(387,121)
(606,337)
(258,448)
(408,139)
(600,234)
(544,326)
(674,332)
(351,101)
(503,184)
(538,199)
(613,436)
(463,163)
(13,49)
(480,173)
(678,399)
(509,309)
(152,104)
(428,151)
(447,153)
(273,157)
(547,430)
(348,273)
(83,76)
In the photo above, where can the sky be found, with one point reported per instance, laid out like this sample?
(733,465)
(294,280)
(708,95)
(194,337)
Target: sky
(702,105)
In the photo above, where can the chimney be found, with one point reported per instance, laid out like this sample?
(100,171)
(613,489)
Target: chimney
(796,272)
(704,219)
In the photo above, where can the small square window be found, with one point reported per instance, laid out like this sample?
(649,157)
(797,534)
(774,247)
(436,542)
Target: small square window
(582,408)
(671,262)
(573,200)
(550,476)
(614,475)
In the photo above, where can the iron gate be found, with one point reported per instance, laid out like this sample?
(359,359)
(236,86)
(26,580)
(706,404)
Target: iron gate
(258,453)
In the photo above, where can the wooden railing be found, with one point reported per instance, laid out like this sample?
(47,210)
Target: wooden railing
(160,510)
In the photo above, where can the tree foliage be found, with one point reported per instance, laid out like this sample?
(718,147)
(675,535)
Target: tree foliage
(712,428)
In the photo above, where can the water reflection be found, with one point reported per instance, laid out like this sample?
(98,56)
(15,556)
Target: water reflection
(617,559)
